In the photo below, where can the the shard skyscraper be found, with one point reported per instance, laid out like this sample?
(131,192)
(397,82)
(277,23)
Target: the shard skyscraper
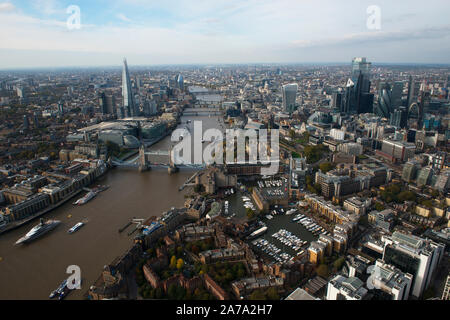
(127,93)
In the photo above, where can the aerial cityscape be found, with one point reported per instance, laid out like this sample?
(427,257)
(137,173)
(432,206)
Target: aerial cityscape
(127,178)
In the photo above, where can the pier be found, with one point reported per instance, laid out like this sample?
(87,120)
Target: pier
(188,182)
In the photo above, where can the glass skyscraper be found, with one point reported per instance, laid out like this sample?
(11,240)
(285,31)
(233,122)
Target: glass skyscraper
(289,92)
(384,106)
(127,93)
(360,65)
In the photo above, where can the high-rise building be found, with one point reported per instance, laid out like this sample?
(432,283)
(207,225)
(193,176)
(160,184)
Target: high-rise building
(360,66)
(424,176)
(409,172)
(60,108)
(399,150)
(357,97)
(26,123)
(289,92)
(397,92)
(127,93)
(399,117)
(36,120)
(179,82)
(111,104)
(414,255)
(384,106)
(336,101)
(391,280)
(102,102)
(343,288)
(443,181)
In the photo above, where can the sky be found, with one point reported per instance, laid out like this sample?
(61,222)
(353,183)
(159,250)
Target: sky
(35,33)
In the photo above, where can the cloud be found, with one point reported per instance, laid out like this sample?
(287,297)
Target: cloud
(377,37)
(204,31)
(6,7)
(47,7)
(122,17)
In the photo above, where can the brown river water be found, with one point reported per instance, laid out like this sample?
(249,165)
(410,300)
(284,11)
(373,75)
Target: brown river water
(33,270)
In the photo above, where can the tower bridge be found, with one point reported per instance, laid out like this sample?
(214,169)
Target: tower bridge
(143,161)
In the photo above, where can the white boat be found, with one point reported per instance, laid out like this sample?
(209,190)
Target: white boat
(89,196)
(288,213)
(76,227)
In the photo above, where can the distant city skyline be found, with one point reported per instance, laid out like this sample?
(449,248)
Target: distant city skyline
(35,34)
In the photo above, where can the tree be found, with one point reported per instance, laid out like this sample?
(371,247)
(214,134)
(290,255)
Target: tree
(250,213)
(406,196)
(434,193)
(295,155)
(272,294)
(180,264)
(322,270)
(173,262)
(326,166)
(113,148)
(257,295)
(379,206)
(292,134)
(199,188)
(172,292)
(339,263)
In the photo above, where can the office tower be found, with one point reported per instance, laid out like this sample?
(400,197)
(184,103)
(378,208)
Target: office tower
(390,280)
(360,66)
(417,256)
(121,113)
(357,97)
(102,102)
(289,92)
(365,104)
(26,123)
(36,120)
(127,94)
(413,91)
(442,183)
(343,288)
(424,105)
(111,105)
(19,91)
(409,172)
(348,100)
(138,83)
(60,108)
(396,95)
(384,106)
(424,176)
(399,150)
(179,81)
(336,101)
(399,117)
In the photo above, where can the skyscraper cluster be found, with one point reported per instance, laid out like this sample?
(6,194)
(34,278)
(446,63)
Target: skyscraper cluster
(357,98)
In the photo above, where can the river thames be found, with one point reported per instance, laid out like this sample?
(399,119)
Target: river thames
(33,270)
